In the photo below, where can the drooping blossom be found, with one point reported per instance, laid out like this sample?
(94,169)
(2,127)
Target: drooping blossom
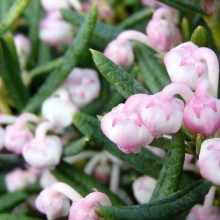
(209,159)
(189,64)
(125,130)
(43,151)
(58,110)
(201,113)
(23,48)
(54,201)
(54,31)
(18,134)
(83,86)
(207,210)
(18,179)
(85,208)
(143,188)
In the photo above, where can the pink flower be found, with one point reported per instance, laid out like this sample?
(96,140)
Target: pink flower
(143,188)
(50,30)
(125,130)
(201,113)
(43,151)
(102,172)
(19,179)
(189,64)
(54,201)
(209,160)
(85,208)
(23,48)
(60,117)
(83,86)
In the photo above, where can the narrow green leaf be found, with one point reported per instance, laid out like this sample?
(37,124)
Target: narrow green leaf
(171,173)
(10,200)
(103,33)
(11,74)
(152,72)
(5,5)
(164,209)
(147,163)
(15,11)
(136,18)
(185,5)
(118,77)
(75,147)
(88,182)
(16,217)
(70,60)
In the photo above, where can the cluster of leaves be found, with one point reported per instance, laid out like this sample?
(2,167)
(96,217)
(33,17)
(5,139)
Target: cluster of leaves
(176,192)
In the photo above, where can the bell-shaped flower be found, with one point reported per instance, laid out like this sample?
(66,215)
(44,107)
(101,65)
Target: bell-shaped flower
(201,113)
(189,64)
(121,53)
(164,113)
(58,110)
(125,130)
(23,48)
(43,151)
(17,135)
(143,188)
(206,211)
(54,201)
(209,160)
(85,208)
(50,30)
(19,179)
(83,86)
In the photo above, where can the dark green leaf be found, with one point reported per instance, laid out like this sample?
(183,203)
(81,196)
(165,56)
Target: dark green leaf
(69,61)
(103,33)
(152,72)
(118,77)
(171,173)
(11,74)
(173,205)
(200,36)
(75,147)
(10,200)
(16,217)
(148,163)
(185,5)
(15,11)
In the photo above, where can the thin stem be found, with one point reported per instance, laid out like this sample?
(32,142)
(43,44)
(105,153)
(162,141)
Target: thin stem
(92,163)
(209,199)
(42,130)
(114,179)
(204,88)
(7,119)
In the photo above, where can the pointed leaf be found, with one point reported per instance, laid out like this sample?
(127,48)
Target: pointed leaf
(16,217)
(118,77)
(69,61)
(173,205)
(170,175)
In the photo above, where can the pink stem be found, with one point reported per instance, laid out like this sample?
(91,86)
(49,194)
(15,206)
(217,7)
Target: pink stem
(204,89)
(7,119)
(207,55)
(42,129)
(66,190)
(177,89)
(209,200)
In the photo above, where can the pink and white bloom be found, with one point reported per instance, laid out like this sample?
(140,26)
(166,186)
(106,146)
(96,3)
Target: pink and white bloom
(125,130)
(18,179)
(83,86)
(43,151)
(164,113)
(17,135)
(50,30)
(23,48)
(201,113)
(54,201)
(143,188)
(58,110)
(207,210)
(209,160)
(189,64)
(2,137)
(85,208)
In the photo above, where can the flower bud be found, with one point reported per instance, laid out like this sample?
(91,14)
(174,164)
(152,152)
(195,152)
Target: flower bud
(125,130)
(143,188)
(19,179)
(85,208)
